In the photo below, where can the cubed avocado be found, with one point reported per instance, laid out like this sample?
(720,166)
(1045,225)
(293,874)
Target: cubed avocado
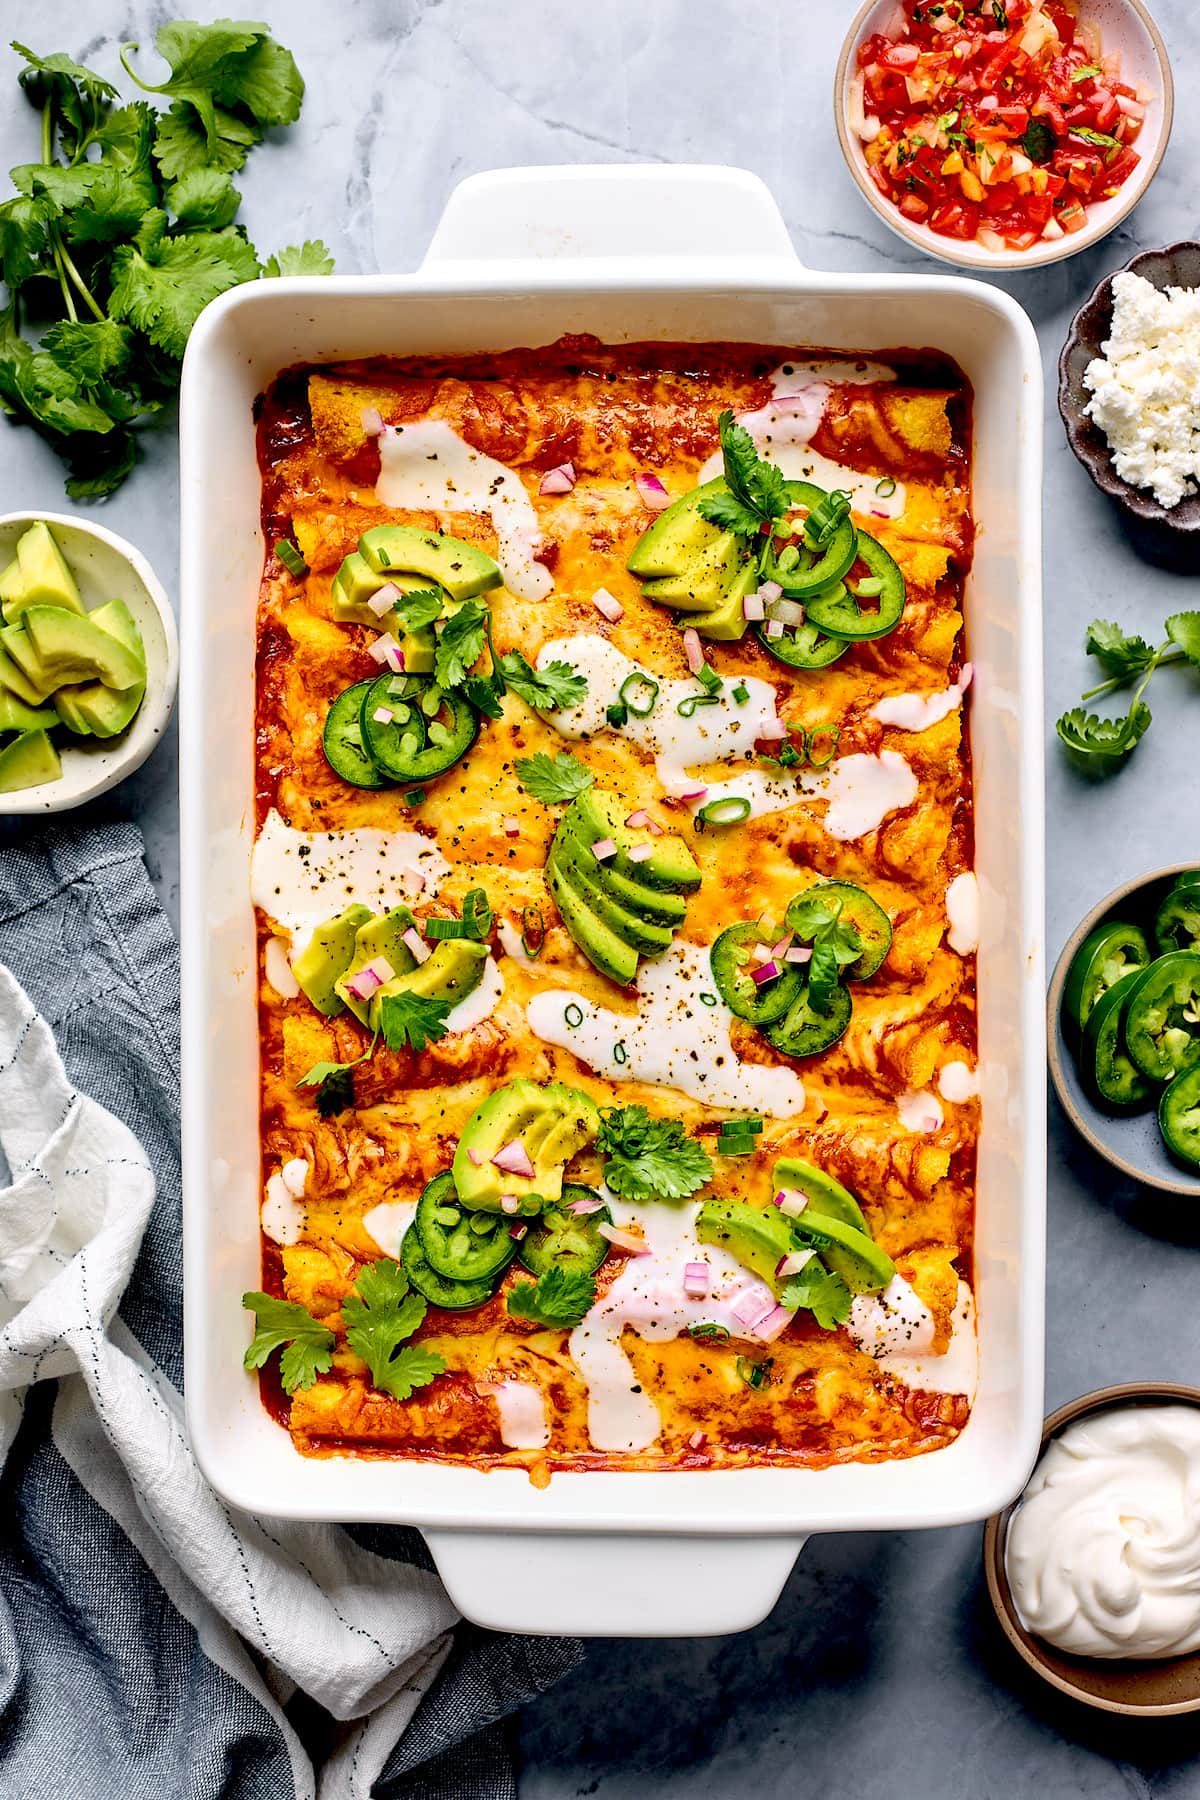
(326,957)
(599,943)
(726,622)
(42,577)
(15,715)
(597,814)
(57,646)
(703,583)
(571,864)
(460,568)
(676,537)
(379,934)
(453,971)
(827,1196)
(552,1124)
(28,761)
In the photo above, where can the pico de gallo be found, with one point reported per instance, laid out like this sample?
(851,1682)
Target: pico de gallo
(998,121)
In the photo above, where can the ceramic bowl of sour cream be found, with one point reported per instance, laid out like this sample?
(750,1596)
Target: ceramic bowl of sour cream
(1094,1572)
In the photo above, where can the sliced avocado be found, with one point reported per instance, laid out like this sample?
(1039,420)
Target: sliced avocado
(460,568)
(42,576)
(378,934)
(676,537)
(15,715)
(12,678)
(65,706)
(862,1265)
(758,1238)
(326,957)
(454,970)
(353,586)
(57,646)
(726,622)
(29,760)
(705,581)
(100,710)
(826,1196)
(552,1124)
(571,865)
(596,814)
(598,941)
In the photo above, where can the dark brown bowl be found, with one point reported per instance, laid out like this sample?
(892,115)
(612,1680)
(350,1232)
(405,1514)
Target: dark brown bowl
(1176,266)
(1156,1689)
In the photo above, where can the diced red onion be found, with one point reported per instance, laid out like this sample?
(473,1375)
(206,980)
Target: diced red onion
(604,849)
(752,608)
(514,1160)
(774,628)
(509,1203)
(697,1440)
(639,852)
(607,605)
(752,1306)
(788,612)
(582,1207)
(792,1263)
(517,1231)
(638,819)
(779,950)
(877,513)
(474,1157)
(383,599)
(654,827)
(624,1240)
(652,493)
(416,943)
(559,480)
(770,591)
(791,1202)
(381,649)
(372,421)
(799,953)
(693,649)
(770,971)
(776,1321)
(760,953)
(772,731)
(383,715)
(695,793)
(382,970)
(363,984)
(696,1279)
(512,827)
(395,659)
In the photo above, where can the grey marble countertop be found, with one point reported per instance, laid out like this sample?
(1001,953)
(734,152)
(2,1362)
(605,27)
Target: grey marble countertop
(878,1675)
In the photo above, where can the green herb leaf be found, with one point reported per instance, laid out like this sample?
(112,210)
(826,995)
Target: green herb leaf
(559,1298)
(204,198)
(309,258)
(1087,71)
(1038,141)
(1103,743)
(90,349)
(79,97)
(1184,629)
(460,644)
(822,974)
(24,245)
(163,287)
(825,1295)
(730,513)
(307,1345)
(558,684)
(1104,139)
(553,779)
(232,63)
(757,489)
(380,1314)
(408,1018)
(181,143)
(1120,656)
(421,607)
(485,695)
(648,1158)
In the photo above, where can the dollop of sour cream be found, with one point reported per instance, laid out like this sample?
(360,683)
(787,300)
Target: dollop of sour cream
(899,1331)
(480,1003)
(1103,1553)
(522,1410)
(917,712)
(283,1214)
(387,1224)
(302,878)
(962,912)
(427,466)
(674,1039)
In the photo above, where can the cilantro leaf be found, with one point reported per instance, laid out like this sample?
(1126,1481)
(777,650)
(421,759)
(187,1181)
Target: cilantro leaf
(91,349)
(1103,743)
(79,97)
(553,779)
(161,285)
(730,513)
(1184,629)
(408,1018)
(419,608)
(1038,141)
(334,1082)
(648,1158)
(1119,655)
(99,464)
(824,1294)
(1104,139)
(485,694)
(309,258)
(181,144)
(307,1345)
(822,973)
(460,644)
(24,245)
(756,487)
(559,1297)
(233,63)
(558,684)
(203,197)
(379,1314)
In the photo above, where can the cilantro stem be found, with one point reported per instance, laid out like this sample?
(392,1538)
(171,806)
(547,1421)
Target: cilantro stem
(84,291)
(1161,658)
(63,265)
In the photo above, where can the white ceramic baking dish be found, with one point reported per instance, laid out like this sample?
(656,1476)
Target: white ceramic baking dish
(521,257)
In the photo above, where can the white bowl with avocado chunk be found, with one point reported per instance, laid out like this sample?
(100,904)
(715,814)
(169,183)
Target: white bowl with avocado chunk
(89,661)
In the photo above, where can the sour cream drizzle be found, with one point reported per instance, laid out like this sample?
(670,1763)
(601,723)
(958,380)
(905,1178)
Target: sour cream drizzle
(301,878)
(388,1222)
(522,1410)
(427,466)
(674,1039)
(283,1215)
(917,712)
(278,970)
(958,1082)
(898,1330)
(480,1003)
(1103,1553)
(962,911)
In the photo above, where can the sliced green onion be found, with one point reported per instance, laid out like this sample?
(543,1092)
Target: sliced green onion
(290,557)
(620,1054)
(754,1374)
(741,693)
(415,797)
(708,678)
(708,1331)
(573,1016)
(639,692)
(752,1125)
(477,913)
(690,702)
(533,931)
(885,488)
(735,1146)
(440,931)
(731,809)
(617,714)
(867,589)
(824,520)
(818,756)
(708,999)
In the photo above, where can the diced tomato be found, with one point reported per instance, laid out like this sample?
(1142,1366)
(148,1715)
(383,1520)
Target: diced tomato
(993,70)
(1045,108)
(1015,117)
(955,219)
(913,207)
(1118,172)
(1072,216)
(901,56)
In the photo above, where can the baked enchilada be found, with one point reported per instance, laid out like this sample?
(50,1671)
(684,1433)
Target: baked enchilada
(616,915)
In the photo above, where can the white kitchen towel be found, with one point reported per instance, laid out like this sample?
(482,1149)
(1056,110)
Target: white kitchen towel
(280,1609)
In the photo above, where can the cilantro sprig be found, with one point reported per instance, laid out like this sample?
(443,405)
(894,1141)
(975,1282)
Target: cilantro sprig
(307,1345)
(836,942)
(124,227)
(412,1019)
(334,1082)
(757,493)
(648,1158)
(553,779)
(558,1298)
(380,1314)
(460,645)
(1103,745)
(822,1292)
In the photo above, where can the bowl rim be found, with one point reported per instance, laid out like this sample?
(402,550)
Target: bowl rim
(157,707)
(1054,1056)
(1007,261)
(995,1543)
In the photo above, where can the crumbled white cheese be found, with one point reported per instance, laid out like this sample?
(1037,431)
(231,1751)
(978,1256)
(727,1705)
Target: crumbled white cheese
(1146,388)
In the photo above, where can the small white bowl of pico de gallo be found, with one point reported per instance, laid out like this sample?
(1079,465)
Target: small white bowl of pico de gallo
(1003,134)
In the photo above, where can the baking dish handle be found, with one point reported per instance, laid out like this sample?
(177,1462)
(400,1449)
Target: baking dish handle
(610,211)
(601,1584)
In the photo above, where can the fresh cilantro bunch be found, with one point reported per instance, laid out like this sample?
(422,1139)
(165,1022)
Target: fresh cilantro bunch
(1101,744)
(559,1298)
(648,1158)
(123,230)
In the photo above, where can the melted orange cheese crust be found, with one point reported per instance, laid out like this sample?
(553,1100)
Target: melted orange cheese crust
(614,412)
